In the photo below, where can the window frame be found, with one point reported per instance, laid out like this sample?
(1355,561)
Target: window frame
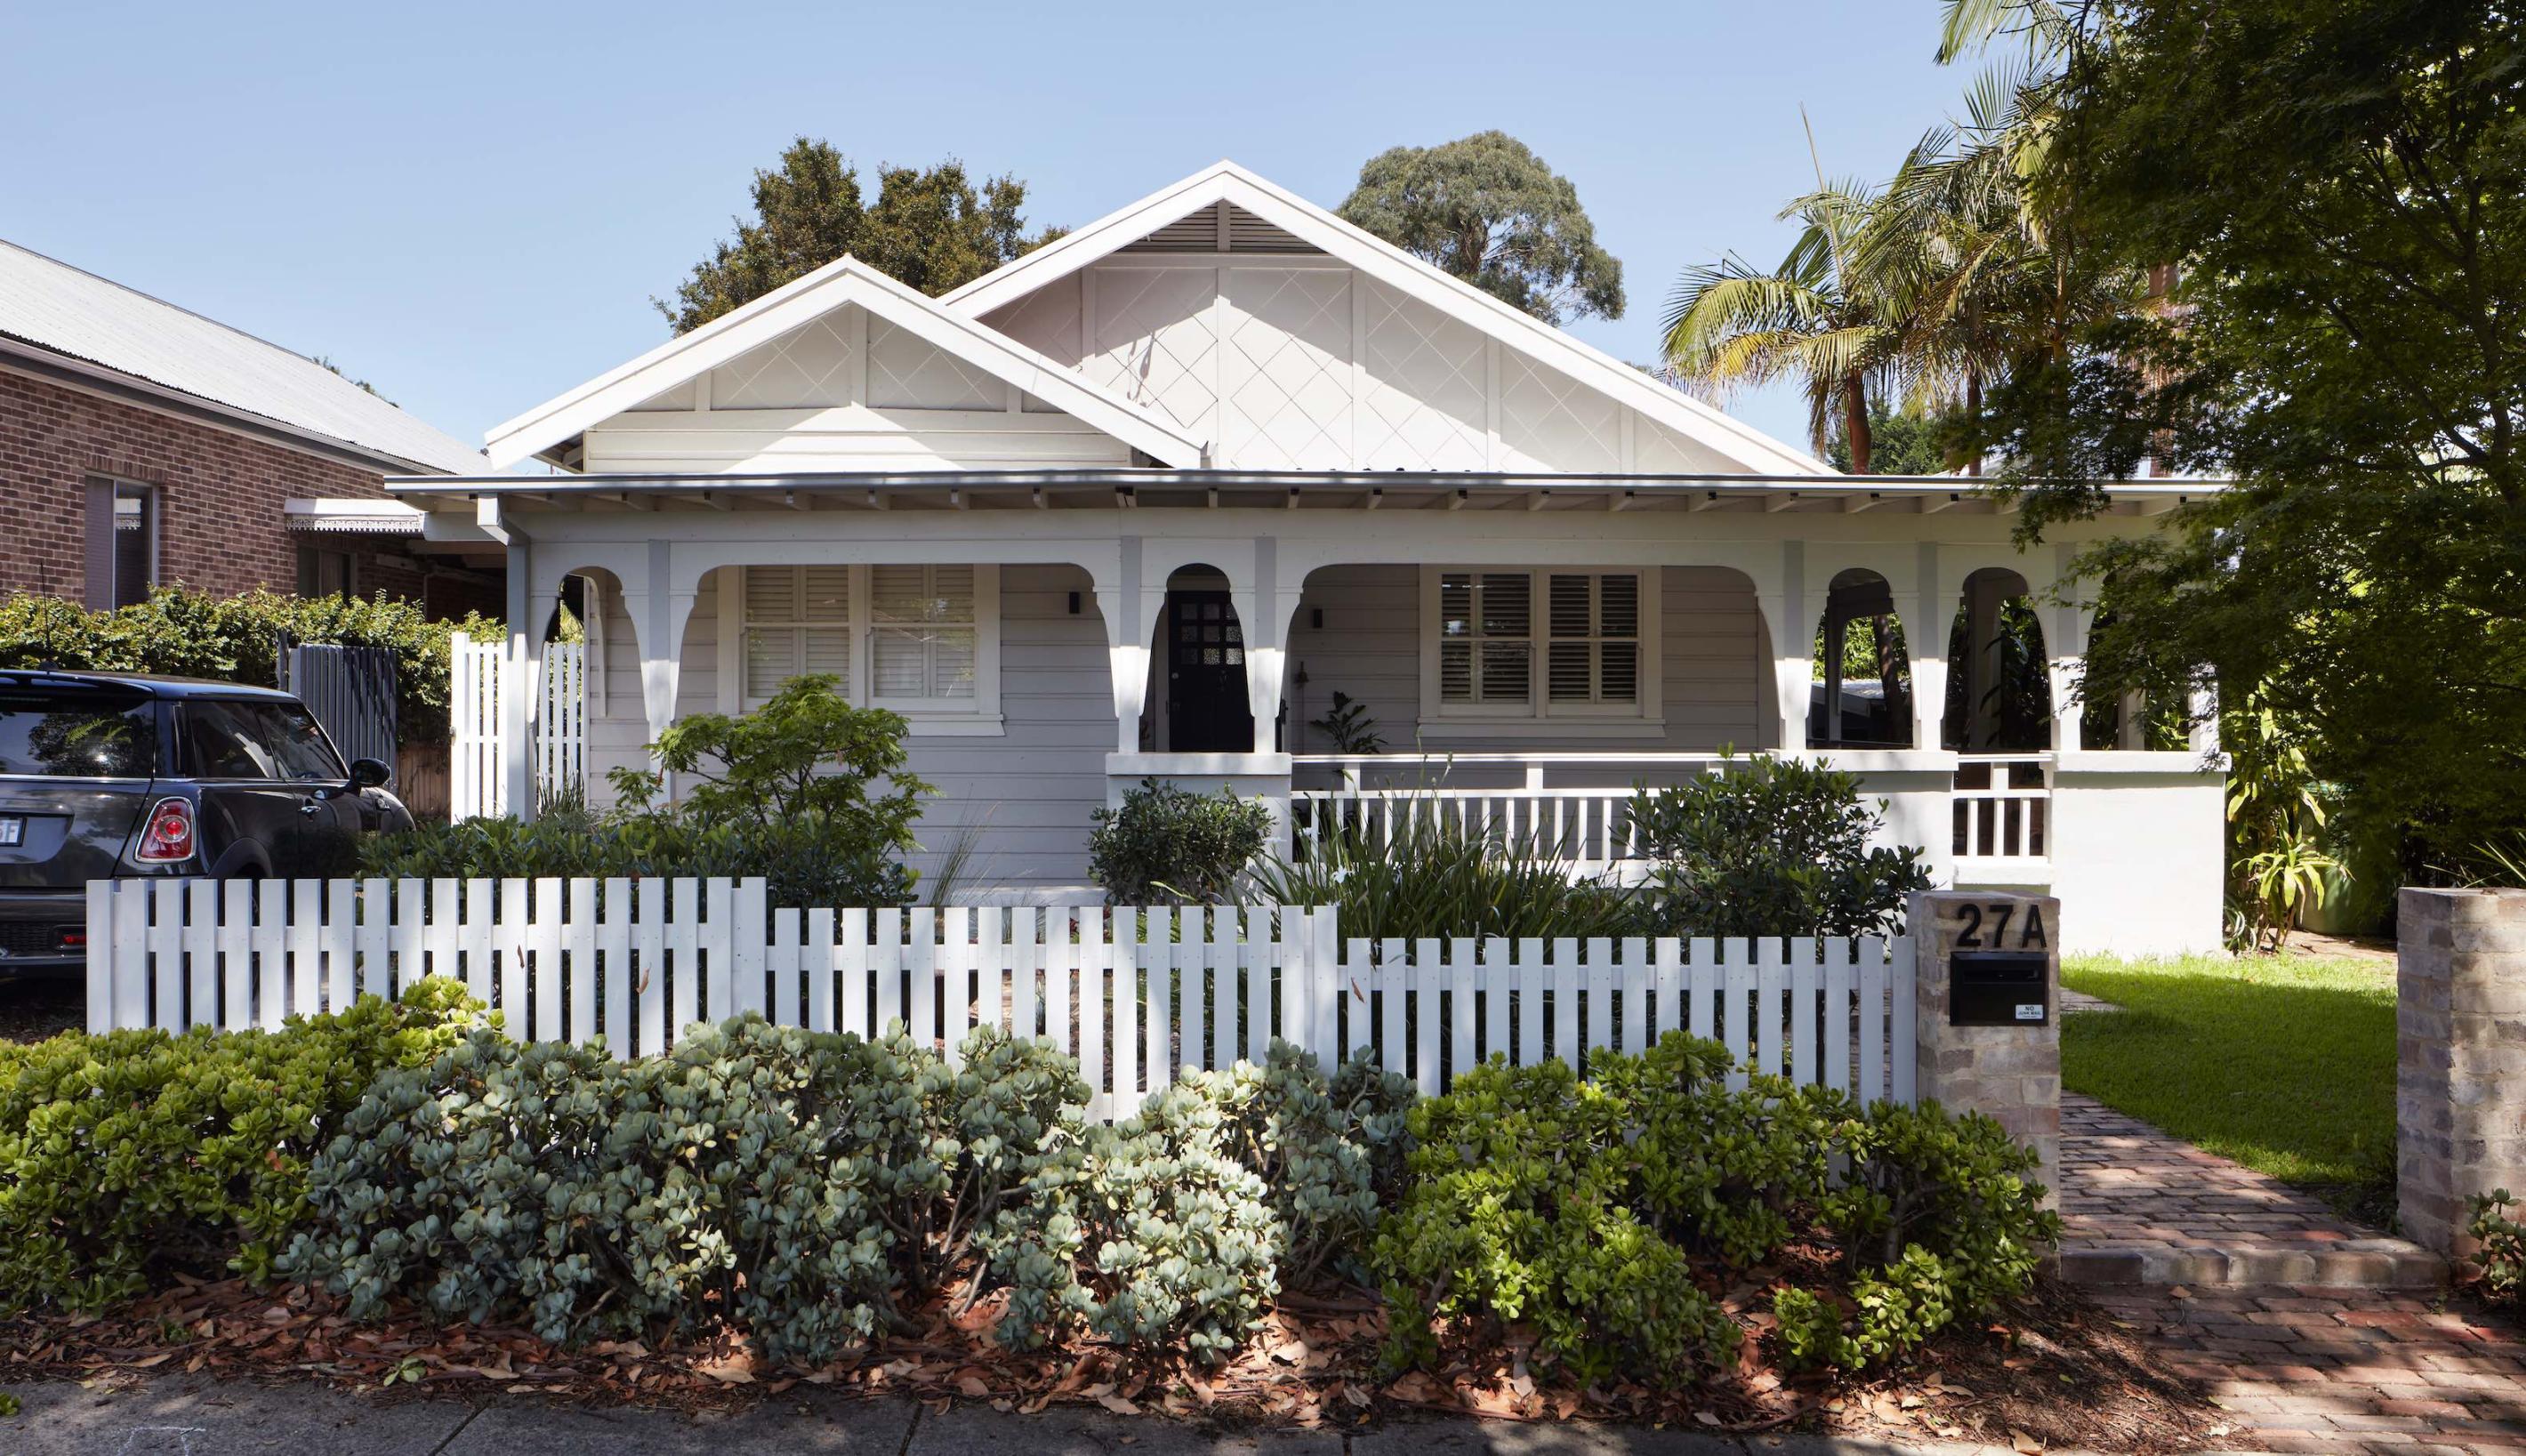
(104,492)
(977,716)
(1539,715)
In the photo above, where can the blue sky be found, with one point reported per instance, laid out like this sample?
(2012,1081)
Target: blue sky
(470,205)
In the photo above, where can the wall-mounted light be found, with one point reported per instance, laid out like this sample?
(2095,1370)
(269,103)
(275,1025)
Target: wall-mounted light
(1074,604)
(1316,618)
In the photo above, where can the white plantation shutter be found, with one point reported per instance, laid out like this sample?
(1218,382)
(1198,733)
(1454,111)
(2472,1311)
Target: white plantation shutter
(923,642)
(797,620)
(1588,636)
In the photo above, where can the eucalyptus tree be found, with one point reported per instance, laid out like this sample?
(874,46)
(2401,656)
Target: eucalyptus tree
(1486,208)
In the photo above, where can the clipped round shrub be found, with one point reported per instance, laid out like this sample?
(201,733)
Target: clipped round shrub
(1167,845)
(134,1153)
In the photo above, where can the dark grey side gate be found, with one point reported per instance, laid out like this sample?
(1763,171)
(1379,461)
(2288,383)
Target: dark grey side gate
(351,690)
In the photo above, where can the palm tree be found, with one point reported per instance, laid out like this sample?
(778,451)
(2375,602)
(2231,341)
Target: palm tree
(1730,323)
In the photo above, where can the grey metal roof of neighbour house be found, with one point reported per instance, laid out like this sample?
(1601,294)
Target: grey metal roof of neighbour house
(66,312)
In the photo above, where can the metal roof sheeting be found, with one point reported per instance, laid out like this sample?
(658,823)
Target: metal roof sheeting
(58,306)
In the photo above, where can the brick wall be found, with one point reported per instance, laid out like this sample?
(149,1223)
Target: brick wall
(2460,1058)
(220,495)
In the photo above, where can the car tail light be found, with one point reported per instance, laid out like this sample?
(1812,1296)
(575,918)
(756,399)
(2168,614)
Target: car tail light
(168,834)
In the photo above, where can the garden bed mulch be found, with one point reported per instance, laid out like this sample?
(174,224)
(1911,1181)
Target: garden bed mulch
(2057,1374)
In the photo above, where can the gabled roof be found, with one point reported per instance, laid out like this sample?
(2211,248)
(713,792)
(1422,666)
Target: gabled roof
(63,311)
(1226,182)
(845,281)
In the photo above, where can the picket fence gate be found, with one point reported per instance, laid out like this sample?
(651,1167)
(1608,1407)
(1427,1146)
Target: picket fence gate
(1134,994)
(558,752)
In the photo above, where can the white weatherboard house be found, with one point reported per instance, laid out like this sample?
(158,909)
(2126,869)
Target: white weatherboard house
(1142,502)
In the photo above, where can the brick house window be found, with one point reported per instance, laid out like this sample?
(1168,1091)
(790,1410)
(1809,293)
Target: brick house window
(322,573)
(122,530)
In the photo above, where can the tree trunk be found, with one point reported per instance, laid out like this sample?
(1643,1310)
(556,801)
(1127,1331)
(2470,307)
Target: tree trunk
(1854,422)
(1973,413)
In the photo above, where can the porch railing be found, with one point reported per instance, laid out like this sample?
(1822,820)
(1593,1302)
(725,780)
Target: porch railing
(1589,826)
(2002,814)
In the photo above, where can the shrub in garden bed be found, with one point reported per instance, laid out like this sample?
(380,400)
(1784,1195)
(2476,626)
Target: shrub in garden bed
(817,1189)
(807,791)
(1173,1228)
(1431,877)
(1167,845)
(789,1181)
(1615,1217)
(131,1154)
(1772,846)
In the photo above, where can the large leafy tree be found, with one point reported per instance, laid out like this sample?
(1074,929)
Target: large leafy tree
(1486,208)
(2339,189)
(932,228)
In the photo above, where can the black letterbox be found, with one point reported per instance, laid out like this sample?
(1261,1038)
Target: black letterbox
(1997,988)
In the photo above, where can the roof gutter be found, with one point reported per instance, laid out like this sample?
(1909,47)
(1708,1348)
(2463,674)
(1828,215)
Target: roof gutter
(73,373)
(484,488)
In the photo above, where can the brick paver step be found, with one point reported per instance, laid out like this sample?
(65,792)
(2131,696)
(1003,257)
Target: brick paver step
(2142,1208)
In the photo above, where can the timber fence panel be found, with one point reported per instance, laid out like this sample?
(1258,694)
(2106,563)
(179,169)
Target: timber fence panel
(1135,994)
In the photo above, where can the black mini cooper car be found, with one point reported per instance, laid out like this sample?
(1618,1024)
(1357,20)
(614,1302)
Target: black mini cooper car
(105,774)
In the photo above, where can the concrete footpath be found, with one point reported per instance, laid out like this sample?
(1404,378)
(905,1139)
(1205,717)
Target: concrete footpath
(193,1416)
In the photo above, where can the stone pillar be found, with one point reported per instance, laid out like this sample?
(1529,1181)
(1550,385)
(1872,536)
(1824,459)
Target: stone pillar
(2010,1072)
(2460,1058)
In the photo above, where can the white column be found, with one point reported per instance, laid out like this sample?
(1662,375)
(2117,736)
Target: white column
(2065,646)
(2203,735)
(1265,613)
(1792,628)
(660,611)
(1925,640)
(1119,600)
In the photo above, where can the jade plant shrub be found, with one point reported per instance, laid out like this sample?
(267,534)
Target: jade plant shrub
(132,1154)
(1609,1215)
(1176,1227)
(792,1182)
(1167,845)
(807,791)
(1770,846)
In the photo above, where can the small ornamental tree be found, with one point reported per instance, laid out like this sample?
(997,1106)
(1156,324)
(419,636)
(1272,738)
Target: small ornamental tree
(1773,847)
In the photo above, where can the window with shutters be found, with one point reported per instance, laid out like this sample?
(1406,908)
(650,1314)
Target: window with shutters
(1511,644)
(919,640)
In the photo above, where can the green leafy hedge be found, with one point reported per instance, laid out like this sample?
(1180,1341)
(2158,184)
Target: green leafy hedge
(127,1155)
(190,633)
(1608,1215)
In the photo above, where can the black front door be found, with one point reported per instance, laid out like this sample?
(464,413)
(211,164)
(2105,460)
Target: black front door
(1206,703)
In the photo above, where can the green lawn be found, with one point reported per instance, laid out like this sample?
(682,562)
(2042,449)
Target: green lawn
(2285,1064)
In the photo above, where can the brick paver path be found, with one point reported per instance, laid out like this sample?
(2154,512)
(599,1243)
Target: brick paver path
(2340,1370)
(2139,1207)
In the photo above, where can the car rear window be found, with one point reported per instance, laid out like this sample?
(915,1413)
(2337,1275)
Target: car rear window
(84,734)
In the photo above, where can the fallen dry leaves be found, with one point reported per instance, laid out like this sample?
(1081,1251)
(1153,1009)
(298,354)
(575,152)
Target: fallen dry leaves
(1315,1363)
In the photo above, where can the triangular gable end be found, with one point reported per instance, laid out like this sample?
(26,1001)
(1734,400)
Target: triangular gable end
(1412,370)
(844,368)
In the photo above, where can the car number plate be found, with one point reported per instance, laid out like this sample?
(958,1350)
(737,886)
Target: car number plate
(13,829)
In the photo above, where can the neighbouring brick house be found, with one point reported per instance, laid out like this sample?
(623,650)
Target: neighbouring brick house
(143,444)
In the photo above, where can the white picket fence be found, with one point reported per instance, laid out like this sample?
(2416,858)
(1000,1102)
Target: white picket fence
(475,785)
(1134,994)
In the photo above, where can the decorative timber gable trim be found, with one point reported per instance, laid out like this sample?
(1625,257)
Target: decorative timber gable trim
(1225,197)
(554,429)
